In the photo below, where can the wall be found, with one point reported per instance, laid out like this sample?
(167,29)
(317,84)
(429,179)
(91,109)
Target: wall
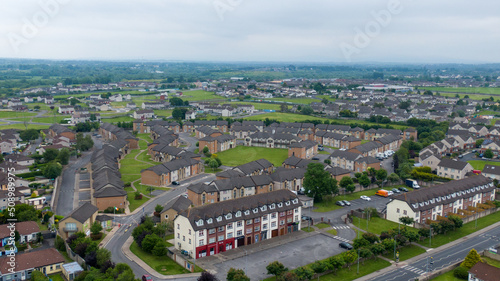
(105,202)
(150,178)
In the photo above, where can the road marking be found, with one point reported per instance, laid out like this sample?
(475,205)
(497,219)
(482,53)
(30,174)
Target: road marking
(413,269)
(341,239)
(341,227)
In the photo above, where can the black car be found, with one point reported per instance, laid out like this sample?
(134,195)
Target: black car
(175,183)
(395,190)
(340,203)
(347,203)
(315,158)
(404,189)
(346,245)
(301,192)
(306,218)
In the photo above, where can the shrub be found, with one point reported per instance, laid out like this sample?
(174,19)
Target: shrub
(461,273)
(160,249)
(109,210)
(137,195)
(59,244)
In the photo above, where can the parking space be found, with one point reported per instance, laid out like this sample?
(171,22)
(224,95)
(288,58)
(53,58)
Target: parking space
(84,195)
(293,254)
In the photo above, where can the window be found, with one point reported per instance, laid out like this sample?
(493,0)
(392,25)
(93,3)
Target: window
(183,238)
(221,237)
(199,223)
(211,231)
(238,214)
(178,236)
(242,192)
(404,212)
(229,226)
(264,227)
(201,242)
(190,241)
(71,227)
(178,226)
(289,220)
(249,230)
(255,210)
(273,224)
(238,224)
(282,222)
(203,198)
(239,233)
(189,231)
(229,216)
(282,214)
(264,218)
(230,235)
(219,218)
(221,228)
(257,229)
(273,215)
(247,212)
(397,210)
(257,220)
(210,220)
(249,222)
(234,194)
(201,233)
(211,240)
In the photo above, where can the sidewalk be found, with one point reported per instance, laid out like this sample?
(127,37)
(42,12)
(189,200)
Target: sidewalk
(126,251)
(416,258)
(108,237)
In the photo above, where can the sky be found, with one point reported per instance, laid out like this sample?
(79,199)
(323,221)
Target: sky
(400,31)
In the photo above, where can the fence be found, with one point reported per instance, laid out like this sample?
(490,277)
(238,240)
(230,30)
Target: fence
(181,260)
(72,255)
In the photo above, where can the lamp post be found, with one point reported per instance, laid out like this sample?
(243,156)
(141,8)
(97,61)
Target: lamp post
(430,236)
(359,250)
(394,248)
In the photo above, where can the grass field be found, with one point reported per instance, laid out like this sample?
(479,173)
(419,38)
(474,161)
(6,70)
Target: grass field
(163,112)
(307,229)
(20,126)
(200,95)
(448,276)
(406,252)
(332,231)
(479,90)
(15,114)
(375,225)
(244,154)
(47,119)
(466,229)
(163,265)
(346,274)
(261,105)
(134,204)
(479,164)
(295,100)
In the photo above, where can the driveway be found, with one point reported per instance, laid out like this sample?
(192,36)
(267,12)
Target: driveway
(190,141)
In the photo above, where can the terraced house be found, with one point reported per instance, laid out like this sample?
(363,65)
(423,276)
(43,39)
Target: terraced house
(215,228)
(441,200)
(165,173)
(304,149)
(111,132)
(218,144)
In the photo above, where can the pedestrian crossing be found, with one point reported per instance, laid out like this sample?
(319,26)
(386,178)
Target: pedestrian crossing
(340,227)
(341,239)
(413,269)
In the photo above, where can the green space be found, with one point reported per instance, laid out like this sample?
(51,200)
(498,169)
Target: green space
(332,231)
(200,95)
(42,226)
(146,189)
(375,224)
(323,152)
(47,119)
(209,170)
(322,225)
(479,164)
(146,137)
(163,112)
(134,204)
(14,114)
(406,252)
(20,126)
(478,90)
(308,229)
(144,156)
(466,229)
(488,112)
(364,141)
(348,274)
(56,277)
(244,154)
(448,276)
(492,262)
(163,265)
(169,237)
(117,119)
(130,177)
(295,100)
(261,105)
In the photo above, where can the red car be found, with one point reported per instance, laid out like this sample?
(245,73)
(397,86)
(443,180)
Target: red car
(147,277)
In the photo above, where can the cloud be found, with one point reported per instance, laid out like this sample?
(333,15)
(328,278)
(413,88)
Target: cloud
(257,30)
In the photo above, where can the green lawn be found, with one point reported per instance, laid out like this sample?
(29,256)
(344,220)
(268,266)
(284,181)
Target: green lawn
(130,177)
(200,95)
(323,152)
(365,268)
(479,90)
(144,189)
(56,277)
(244,154)
(163,112)
(468,228)
(492,262)
(57,118)
(479,164)
(406,252)
(15,114)
(42,226)
(261,105)
(375,225)
(144,156)
(322,225)
(448,276)
(134,204)
(20,126)
(488,112)
(163,265)
(295,100)
(332,231)
(169,237)
(146,137)
(308,229)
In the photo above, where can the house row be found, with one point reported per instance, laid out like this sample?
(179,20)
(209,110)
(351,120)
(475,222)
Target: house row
(56,130)
(427,204)
(219,227)
(219,125)
(164,174)
(111,132)
(85,117)
(353,161)
(164,152)
(48,261)
(217,144)
(160,134)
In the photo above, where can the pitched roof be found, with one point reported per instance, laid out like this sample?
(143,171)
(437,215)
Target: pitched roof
(33,259)
(453,164)
(181,203)
(24,228)
(82,213)
(485,272)
(351,156)
(337,171)
(491,169)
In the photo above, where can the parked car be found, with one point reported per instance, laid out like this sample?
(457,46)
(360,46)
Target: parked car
(395,190)
(175,183)
(347,203)
(474,151)
(307,218)
(346,245)
(147,277)
(321,148)
(315,158)
(404,189)
(366,198)
(390,193)
(340,203)
(461,156)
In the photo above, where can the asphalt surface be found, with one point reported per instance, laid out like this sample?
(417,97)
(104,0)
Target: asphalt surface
(190,141)
(32,147)
(119,238)
(443,258)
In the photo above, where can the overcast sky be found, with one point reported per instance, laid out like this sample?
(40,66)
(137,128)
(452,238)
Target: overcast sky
(253,30)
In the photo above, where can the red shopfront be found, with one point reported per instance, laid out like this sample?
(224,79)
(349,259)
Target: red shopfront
(215,248)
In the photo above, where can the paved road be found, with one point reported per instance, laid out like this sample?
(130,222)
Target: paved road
(33,146)
(115,243)
(190,141)
(443,258)
(66,192)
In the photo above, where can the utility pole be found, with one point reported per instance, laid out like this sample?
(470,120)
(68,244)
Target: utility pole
(358,260)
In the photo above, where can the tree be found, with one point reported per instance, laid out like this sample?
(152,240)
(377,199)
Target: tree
(30,134)
(479,142)
(307,110)
(406,220)
(284,107)
(457,221)
(404,105)
(304,273)
(288,276)
(276,268)
(50,154)
(360,242)
(149,242)
(36,107)
(212,163)
(393,178)
(319,267)
(346,181)
(365,253)
(364,181)
(370,237)
(336,262)
(207,276)
(381,175)
(179,113)
(318,182)
(488,153)
(96,228)
(236,275)
(176,101)
(160,249)
(158,208)
(471,259)
(37,275)
(63,156)
(102,255)
(52,170)
(350,256)
(83,143)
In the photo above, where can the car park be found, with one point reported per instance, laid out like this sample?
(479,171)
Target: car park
(346,245)
(347,203)
(340,203)
(366,198)
(390,193)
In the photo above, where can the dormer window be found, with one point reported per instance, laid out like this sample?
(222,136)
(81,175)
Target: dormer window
(255,210)
(229,216)
(280,204)
(210,220)
(272,206)
(287,203)
(263,208)
(238,214)
(199,223)
(295,201)
(219,218)
(247,212)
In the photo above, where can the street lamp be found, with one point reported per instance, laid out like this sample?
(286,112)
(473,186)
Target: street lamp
(358,259)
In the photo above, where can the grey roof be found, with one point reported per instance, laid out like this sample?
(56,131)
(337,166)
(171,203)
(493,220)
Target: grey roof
(453,164)
(306,144)
(387,139)
(282,174)
(82,213)
(174,165)
(491,169)
(369,146)
(202,187)
(337,171)
(351,156)
(179,204)
(229,174)
(251,203)
(254,166)
(368,160)
(58,129)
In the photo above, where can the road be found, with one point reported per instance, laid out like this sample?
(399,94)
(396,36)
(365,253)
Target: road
(443,258)
(32,147)
(190,141)
(119,238)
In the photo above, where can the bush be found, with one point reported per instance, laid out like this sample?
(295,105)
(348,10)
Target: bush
(137,195)
(109,210)
(160,249)
(127,184)
(96,236)
(461,273)
(59,244)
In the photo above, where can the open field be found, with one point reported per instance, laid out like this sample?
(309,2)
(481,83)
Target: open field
(117,119)
(260,105)
(244,154)
(20,126)
(406,252)
(163,112)
(296,100)
(15,114)
(478,90)
(375,224)
(200,95)
(479,164)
